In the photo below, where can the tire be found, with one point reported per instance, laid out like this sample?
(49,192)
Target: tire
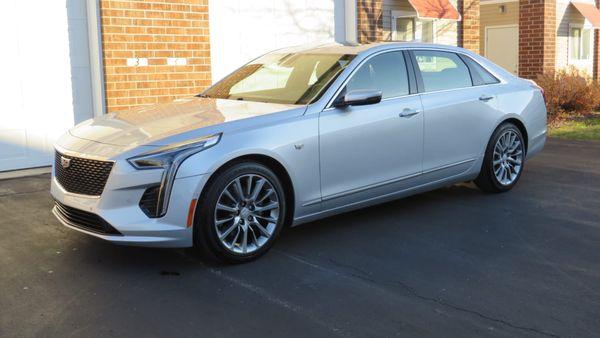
(499,156)
(221,238)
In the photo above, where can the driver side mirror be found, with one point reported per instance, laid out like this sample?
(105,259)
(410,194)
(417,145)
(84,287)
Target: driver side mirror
(359,97)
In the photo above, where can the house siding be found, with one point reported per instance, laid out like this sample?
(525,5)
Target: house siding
(567,14)
(446,31)
(490,16)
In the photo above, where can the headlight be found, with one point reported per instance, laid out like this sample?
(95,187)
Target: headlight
(169,158)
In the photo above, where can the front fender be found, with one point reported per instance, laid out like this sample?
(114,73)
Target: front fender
(294,144)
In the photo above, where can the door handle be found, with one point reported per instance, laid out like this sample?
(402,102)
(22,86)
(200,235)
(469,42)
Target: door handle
(485,98)
(409,112)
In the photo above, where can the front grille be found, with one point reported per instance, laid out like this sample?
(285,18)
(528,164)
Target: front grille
(84,220)
(81,176)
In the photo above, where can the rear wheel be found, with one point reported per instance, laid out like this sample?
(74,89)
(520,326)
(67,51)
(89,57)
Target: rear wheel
(504,160)
(242,213)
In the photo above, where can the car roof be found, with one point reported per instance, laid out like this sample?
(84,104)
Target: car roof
(364,50)
(355,49)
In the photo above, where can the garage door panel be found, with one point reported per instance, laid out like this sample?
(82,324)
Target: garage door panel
(242,30)
(45,48)
(13,144)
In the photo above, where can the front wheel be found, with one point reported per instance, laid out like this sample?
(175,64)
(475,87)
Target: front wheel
(504,160)
(242,213)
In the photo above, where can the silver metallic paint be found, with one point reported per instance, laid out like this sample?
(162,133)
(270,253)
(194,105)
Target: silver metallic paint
(350,157)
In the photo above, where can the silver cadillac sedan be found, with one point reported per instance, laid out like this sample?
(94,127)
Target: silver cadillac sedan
(296,135)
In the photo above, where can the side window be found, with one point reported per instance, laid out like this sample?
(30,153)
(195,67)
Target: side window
(442,70)
(385,72)
(484,76)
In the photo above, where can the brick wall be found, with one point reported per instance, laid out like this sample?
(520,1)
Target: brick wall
(537,37)
(369,14)
(468,27)
(155,30)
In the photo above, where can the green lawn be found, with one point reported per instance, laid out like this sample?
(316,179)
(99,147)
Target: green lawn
(588,129)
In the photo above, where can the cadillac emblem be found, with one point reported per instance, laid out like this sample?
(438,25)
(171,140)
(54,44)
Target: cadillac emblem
(65,162)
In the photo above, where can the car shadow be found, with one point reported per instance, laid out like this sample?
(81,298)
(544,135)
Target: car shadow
(174,262)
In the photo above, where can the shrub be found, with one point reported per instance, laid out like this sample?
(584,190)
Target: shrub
(569,92)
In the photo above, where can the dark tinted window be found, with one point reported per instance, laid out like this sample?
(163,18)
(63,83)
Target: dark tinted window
(385,72)
(484,76)
(442,70)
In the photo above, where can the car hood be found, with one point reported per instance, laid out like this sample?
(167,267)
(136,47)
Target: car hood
(153,125)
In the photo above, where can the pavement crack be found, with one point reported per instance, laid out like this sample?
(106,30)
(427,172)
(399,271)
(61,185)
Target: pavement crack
(414,293)
(361,274)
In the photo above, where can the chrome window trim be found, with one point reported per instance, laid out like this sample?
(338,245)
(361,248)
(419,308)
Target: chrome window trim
(329,105)
(454,89)
(500,78)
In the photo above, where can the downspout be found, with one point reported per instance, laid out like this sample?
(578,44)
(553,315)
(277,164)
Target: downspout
(96,60)
(350,22)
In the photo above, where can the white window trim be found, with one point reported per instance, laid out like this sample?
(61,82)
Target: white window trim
(583,27)
(412,14)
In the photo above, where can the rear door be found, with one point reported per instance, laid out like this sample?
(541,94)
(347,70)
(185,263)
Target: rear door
(458,109)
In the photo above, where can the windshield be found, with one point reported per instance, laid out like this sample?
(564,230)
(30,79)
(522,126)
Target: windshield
(281,78)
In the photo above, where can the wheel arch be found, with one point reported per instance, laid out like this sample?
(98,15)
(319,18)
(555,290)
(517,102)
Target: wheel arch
(277,167)
(519,124)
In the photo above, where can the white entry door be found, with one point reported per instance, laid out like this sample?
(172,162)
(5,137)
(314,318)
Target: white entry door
(502,46)
(44,83)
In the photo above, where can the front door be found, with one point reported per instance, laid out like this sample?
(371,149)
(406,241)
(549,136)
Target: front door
(367,151)
(502,47)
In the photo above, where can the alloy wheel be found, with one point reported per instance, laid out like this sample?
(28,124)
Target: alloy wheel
(508,157)
(246,214)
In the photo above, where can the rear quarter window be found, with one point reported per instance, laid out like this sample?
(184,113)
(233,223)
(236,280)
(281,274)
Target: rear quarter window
(481,75)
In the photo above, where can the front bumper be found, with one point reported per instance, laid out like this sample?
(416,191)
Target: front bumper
(118,205)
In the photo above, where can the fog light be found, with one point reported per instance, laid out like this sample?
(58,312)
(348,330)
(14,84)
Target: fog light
(149,201)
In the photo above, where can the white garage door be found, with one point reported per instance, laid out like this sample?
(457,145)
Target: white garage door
(502,47)
(241,30)
(44,44)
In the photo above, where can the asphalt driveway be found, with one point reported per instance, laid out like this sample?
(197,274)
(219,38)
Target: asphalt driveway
(453,262)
